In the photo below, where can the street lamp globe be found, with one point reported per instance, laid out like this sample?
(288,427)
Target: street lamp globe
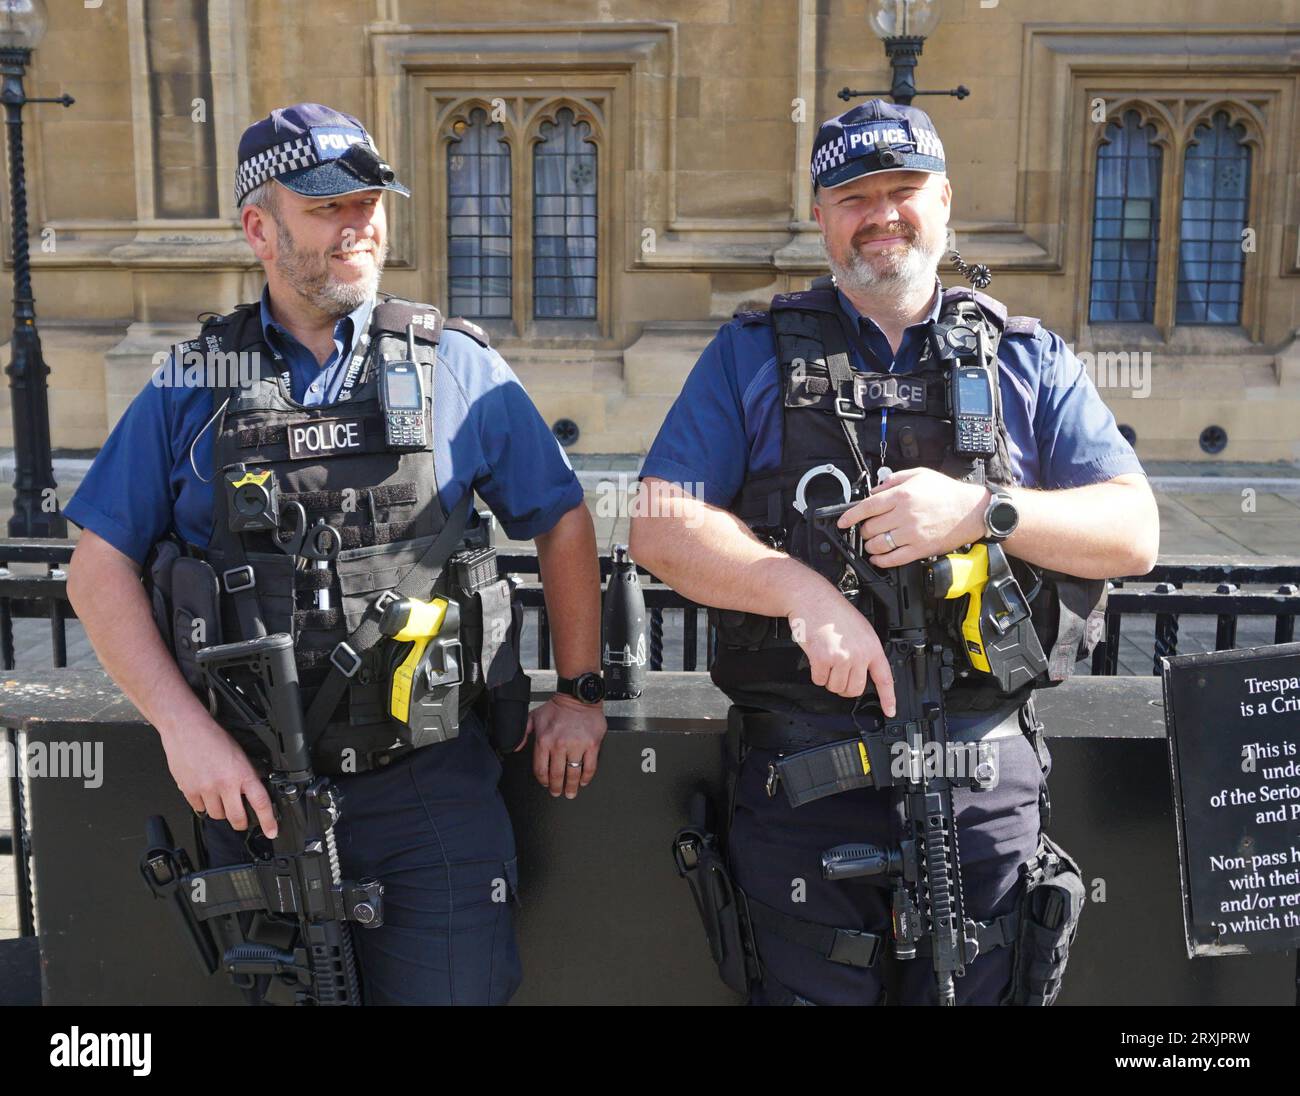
(904,18)
(22,23)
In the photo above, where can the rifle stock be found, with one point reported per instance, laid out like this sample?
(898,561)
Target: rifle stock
(299,886)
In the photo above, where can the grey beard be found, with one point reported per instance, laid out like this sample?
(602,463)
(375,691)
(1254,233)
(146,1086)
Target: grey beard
(310,277)
(914,272)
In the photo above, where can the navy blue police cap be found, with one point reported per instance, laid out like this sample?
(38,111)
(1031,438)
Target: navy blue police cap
(314,151)
(875,136)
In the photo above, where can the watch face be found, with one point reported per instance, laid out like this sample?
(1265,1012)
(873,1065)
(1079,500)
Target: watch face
(590,688)
(1003,518)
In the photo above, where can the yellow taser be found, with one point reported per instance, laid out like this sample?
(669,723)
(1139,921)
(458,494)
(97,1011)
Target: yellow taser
(954,576)
(410,620)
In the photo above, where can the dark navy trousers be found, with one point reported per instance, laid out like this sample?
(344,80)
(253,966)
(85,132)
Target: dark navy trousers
(775,856)
(433,828)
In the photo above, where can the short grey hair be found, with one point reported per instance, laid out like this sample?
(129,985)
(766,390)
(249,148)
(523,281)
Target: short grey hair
(265,196)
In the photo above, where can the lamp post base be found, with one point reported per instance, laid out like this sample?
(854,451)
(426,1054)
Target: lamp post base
(36,507)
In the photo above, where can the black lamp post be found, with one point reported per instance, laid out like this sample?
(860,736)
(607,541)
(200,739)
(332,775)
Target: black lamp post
(36,513)
(903,26)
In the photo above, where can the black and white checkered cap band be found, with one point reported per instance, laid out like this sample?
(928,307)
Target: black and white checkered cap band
(828,156)
(927,142)
(280,160)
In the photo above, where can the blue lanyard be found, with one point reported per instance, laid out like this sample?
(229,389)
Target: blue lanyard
(884,425)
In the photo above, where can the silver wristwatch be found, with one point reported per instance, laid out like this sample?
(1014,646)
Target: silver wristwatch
(1000,516)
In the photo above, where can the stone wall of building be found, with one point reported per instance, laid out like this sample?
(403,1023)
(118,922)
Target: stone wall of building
(702,114)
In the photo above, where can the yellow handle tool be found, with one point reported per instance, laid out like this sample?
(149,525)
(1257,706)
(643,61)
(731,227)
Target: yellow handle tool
(956,575)
(410,620)
(258,478)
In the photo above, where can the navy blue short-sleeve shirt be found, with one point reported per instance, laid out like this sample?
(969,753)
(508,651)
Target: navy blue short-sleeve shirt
(488,437)
(727,422)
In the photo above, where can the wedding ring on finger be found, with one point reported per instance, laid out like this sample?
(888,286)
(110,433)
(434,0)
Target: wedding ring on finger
(889,539)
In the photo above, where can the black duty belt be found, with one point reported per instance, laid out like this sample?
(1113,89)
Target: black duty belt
(816,759)
(786,731)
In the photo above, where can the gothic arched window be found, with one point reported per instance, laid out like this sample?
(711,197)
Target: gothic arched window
(478,219)
(1211,260)
(1126,224)
(564,220)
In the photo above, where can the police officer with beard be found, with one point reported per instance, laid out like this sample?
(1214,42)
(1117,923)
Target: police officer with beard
(427,820)
(830,394)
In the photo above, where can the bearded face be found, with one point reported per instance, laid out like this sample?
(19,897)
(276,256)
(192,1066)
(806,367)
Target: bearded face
(336,279)
(330,251)
(886,231)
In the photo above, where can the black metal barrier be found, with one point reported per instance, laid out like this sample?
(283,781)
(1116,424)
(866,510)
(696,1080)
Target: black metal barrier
(44,596)
(1260,589)
(603,917)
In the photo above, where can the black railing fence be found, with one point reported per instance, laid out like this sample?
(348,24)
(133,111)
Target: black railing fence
(1177,590)
(1225,589)
(1257,591)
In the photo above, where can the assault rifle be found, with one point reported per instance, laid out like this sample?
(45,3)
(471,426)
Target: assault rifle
(302,910)
(929,918)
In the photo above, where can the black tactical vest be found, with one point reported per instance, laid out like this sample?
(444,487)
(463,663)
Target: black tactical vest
(334,461)
(831,420)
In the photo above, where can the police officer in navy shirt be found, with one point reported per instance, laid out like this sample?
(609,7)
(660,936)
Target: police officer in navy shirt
(431,825)
(750,422)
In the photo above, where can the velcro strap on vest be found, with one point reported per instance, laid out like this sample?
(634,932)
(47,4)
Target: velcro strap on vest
(254,437)
(851,947)
(390,494)
(313,579)
(316,619)
(312,666)
(385,532)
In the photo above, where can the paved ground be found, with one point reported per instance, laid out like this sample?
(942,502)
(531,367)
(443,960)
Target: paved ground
(1224,509)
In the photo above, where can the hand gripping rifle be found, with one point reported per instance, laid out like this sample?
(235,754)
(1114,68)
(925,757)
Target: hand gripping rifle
(925,870)
(310,962)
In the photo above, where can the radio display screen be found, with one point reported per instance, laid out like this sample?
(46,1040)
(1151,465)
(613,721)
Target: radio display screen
(403,390)
(974,396)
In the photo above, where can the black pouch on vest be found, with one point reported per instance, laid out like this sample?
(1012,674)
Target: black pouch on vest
(157,574)
(1049,920)
(509,687)
(721,905)
(195,616)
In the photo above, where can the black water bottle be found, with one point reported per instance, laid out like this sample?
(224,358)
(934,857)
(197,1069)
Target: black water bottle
(623,656)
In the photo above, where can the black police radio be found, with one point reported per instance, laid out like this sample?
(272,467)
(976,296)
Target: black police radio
(975,429)
(970,388)
(401,394)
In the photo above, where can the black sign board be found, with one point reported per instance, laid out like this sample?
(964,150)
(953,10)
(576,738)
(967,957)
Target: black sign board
(1233,719)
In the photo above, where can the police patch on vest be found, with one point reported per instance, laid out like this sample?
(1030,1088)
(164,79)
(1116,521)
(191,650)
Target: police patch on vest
(325,437)
(872,391)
